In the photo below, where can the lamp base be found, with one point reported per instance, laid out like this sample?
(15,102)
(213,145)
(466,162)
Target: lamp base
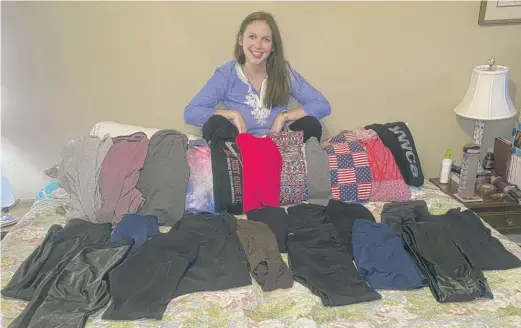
(479,128)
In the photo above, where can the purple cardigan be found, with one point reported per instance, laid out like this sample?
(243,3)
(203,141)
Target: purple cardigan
(230,86)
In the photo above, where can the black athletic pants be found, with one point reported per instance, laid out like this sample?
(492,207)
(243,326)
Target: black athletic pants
(144,284)
(309,125)
(59,246)
(321,262)
(475,239)
(341,215)
(77,291)
(276,219)
(452,276)
(221,262)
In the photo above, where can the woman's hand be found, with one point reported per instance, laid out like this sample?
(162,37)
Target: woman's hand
(278,124)
(238,121)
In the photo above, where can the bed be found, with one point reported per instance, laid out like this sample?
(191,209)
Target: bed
(296,307)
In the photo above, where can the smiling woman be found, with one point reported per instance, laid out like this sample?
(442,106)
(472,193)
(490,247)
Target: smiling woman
(256,86)
(258,49)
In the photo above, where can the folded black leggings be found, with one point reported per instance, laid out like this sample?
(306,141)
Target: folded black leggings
(476,240)
(341,215)
(277,220)
(79,290)
(221,262)
(59,246)
(322,263)
(452,276)
(144,284)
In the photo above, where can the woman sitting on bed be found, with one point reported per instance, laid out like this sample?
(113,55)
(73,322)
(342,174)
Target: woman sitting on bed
(255,87)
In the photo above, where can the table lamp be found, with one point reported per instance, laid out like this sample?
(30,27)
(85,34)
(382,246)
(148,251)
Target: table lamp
(487,99)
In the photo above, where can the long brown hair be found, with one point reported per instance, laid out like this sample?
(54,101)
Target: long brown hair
(278,86)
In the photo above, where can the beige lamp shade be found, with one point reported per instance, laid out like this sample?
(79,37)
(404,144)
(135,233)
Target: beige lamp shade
(487,96)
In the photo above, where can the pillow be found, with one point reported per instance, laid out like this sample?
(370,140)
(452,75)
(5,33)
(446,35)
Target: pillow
(115,129)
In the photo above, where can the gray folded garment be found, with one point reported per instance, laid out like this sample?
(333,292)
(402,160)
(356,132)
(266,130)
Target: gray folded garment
(164,177)
(264,260)
(79,172)
(318,176)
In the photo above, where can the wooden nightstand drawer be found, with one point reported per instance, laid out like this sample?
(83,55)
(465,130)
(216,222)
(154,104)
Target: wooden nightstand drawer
(504,221)
(504,215)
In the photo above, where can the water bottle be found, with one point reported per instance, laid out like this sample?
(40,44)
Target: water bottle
(469,171)
(446,167)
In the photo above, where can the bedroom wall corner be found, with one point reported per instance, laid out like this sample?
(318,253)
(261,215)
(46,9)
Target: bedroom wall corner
(25,177)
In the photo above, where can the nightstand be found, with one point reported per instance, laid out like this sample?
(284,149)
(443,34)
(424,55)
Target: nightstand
(5,230)
(18,210)
(504,215)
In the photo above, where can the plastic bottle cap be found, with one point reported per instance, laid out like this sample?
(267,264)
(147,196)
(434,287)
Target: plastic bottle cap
(448,154)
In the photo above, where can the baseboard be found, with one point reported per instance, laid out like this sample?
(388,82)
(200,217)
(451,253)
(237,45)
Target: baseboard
(26,202)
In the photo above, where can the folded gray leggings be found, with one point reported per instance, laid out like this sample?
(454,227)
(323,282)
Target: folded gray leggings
(164,177)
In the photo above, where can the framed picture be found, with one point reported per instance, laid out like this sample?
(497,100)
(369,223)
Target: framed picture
(500,12)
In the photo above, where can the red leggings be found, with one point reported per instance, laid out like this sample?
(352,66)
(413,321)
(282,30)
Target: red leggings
(261,165)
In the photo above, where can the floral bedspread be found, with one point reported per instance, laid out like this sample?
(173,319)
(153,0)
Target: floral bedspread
(295,307)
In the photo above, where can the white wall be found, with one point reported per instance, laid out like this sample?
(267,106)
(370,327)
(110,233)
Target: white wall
(25,178)
(68,64)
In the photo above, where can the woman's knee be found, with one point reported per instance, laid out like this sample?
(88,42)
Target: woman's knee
(220,127)
(310,125)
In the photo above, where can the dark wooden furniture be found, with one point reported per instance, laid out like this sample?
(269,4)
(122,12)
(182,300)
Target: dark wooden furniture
(504,215)
(3,234)
(5,230)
